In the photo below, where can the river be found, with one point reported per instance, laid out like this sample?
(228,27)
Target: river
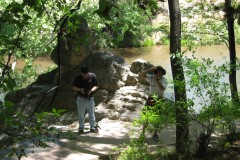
(159,55)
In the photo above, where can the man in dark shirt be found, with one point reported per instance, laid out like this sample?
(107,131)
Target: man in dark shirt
(85,85)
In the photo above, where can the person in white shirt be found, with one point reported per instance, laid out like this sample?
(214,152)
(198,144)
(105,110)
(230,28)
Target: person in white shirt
(158,84)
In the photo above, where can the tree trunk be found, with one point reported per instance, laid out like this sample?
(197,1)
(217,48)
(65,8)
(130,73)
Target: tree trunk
(182,130)
(232,50)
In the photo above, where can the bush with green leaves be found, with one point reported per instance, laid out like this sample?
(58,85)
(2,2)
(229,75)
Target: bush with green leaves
(22,130)
(204,23)
(136,150)
(111,21)
(210,91)
(160,115)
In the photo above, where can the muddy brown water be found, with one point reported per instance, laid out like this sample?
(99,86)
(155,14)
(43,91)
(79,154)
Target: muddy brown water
(159,55)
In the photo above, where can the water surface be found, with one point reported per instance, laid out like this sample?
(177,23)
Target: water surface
(159,55)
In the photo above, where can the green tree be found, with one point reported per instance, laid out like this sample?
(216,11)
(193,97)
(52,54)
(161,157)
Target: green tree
(232,49)
(22,38)
(182,131)
(216,114)
(32,28)
(204,23)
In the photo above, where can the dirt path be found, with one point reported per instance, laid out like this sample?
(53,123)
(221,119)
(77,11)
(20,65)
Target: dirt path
(91,146)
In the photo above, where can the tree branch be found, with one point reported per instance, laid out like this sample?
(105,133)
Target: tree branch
(59,35)
(6,67)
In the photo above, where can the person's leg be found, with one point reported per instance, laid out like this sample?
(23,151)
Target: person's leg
(147,107)
(90,110)
(155,136)
(81,105)
(156,127)
(145,125)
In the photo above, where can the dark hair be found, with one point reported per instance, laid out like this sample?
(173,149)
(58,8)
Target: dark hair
(84,69)
(160,69)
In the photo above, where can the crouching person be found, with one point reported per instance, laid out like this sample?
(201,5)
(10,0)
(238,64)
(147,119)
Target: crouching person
(158,84)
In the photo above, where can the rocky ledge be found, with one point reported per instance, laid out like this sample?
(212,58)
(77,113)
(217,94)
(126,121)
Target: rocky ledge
(121,95)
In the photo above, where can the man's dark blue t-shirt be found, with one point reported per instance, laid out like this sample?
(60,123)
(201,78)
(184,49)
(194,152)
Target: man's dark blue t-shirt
(88,84)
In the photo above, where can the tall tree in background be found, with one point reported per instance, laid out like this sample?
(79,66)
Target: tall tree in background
(232,49)
(182,131)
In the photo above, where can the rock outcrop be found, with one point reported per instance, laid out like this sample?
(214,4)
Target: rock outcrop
(120,95)
(75,45)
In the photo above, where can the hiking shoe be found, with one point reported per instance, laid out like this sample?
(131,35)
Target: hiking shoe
(80,131)
(94,130)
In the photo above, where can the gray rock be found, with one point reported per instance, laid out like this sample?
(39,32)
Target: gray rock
(75,46)
(115,99)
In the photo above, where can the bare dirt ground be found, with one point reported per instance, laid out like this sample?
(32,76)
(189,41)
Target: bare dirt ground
(92,146)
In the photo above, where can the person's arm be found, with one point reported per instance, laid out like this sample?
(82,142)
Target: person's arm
(144,73)
(160,85)
(78,89)
(93,90)
(95,83)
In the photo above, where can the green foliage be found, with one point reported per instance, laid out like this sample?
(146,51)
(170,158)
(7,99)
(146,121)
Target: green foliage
(134,22)
(104,9)
(139,150)
(136,150)
(24,36)
(22,131)
(147,42)
(160,115)
(204,24)
(150,6)
(9,83)
(111,24)
(211,95)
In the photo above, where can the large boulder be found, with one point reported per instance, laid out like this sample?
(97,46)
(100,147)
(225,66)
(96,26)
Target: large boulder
(138,66)
(74,45)
(125,105)
(112,71)
(118,96)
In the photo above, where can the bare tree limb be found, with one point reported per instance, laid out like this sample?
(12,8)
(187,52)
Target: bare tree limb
(59,35)
(6,67)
